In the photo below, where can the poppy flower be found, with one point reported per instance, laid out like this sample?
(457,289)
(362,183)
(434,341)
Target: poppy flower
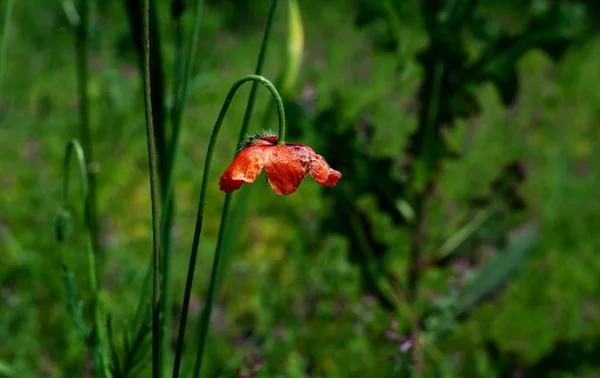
(285,165)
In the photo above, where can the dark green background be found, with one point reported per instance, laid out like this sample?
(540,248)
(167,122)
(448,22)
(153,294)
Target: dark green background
(292,286)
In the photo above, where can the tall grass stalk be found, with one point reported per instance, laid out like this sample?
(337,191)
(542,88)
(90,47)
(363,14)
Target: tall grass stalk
(156,274)
(82,36)
(182,76)
(203,327)
(181,96)
(98,346)
(4,47)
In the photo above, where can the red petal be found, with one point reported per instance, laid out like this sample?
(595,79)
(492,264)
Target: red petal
(245,168)
(321,171)
(286,166)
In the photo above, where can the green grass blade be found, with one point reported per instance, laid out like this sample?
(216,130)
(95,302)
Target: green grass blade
(116,367)
(6,370)
(154,190)
(135,18)
(73,306)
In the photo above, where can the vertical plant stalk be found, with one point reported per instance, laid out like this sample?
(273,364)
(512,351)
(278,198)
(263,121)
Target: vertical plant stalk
(180,101)
(99,351)
(207,310)
(183,75)
(259,68)
(134,10)
(181,97)
(81,46)
(156,334)
(4,47)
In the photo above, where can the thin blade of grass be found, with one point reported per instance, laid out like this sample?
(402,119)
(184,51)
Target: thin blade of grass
(82,36)
(73,306)
(183,75)
(154,186)
(135,17)
(116,366)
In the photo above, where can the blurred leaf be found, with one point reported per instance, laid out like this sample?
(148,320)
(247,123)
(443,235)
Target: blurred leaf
(493,276)
(460,236)
(6,370)
(12,246)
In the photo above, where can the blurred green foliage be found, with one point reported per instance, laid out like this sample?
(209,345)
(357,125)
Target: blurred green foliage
(519,134)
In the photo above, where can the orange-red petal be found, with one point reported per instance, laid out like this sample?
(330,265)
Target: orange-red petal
(320,170)
(286,166)
(246,166)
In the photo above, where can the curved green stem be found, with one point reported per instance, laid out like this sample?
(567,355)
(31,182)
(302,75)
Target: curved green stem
(75,146)
(200,217)
(156,334)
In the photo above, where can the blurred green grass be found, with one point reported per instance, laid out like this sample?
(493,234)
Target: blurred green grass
(307,303)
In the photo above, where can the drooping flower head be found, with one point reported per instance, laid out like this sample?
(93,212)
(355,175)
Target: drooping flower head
(285,165)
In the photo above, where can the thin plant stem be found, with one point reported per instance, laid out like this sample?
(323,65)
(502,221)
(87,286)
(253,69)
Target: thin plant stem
(156,334)
(198,229)
(181,97)
(259,68)
(212,290)
(81,46)
(75,146)
(182,76)
(177,112)
(3,48)
(182,68)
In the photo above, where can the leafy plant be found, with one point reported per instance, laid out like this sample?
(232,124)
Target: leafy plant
(404,185)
